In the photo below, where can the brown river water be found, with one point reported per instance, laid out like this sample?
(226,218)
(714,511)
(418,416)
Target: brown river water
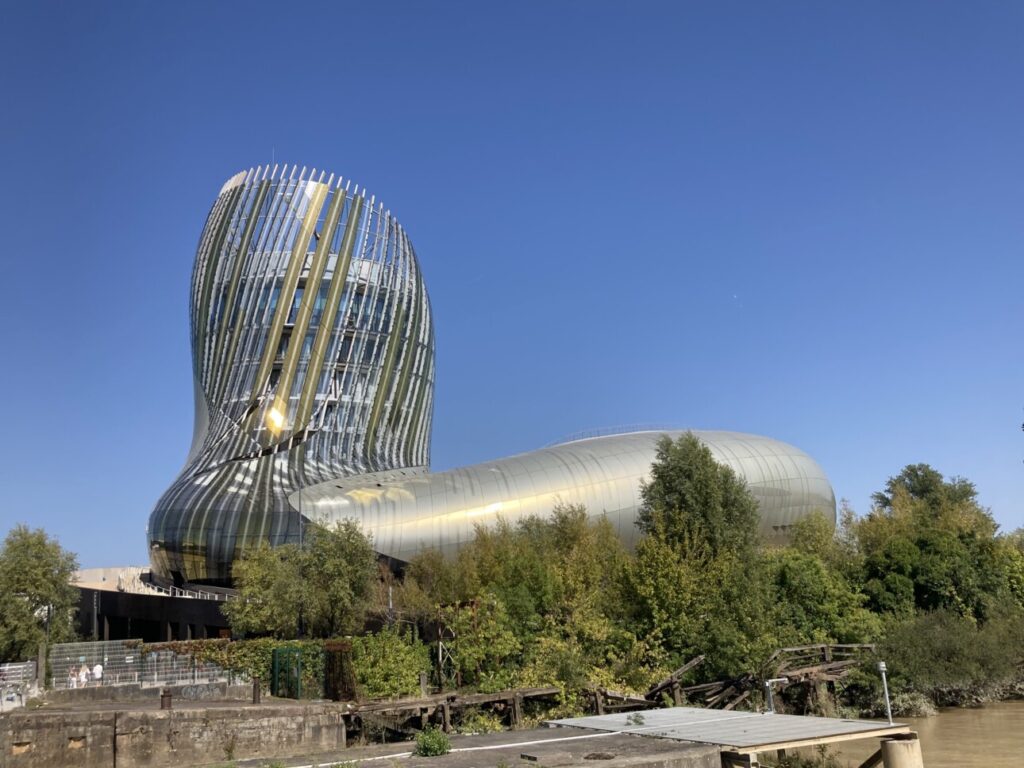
(990,736)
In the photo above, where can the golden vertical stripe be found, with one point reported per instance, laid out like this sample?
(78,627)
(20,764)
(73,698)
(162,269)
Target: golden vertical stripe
(236,276)
(268,236)
(287,295)
(316,272)
(326,330)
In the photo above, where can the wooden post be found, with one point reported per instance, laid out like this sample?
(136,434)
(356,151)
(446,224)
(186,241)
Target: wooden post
(677,692)
(517,710)
(599,701)
(423,718)
(423,684)
(446,716)
(41,666)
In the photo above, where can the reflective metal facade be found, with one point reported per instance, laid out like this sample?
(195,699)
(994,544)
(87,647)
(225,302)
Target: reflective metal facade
(313,358)
(404,515)
(313,365)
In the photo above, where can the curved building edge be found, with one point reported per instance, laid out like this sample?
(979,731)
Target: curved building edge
(313,358)
(403,516)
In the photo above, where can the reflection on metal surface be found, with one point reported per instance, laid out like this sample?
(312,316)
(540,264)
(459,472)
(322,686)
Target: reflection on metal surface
(313,359)
(313,369)
(602,473)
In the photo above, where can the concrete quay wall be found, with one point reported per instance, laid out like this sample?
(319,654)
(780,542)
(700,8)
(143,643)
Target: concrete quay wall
(128,693)
(162,738)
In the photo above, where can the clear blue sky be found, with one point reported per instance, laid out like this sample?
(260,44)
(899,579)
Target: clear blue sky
(796,219)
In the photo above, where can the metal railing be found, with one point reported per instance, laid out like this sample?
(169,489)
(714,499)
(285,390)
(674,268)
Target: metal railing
(586,434)
(133,580)
(121,662)
(16,683)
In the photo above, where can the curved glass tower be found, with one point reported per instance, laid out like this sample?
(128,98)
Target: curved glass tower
(312,359)
(313,364)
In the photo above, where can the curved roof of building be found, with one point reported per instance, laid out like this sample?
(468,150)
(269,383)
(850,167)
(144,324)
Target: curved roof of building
(404,515)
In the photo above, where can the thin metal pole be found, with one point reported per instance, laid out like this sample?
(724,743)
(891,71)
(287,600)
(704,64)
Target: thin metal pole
(768,690)
(885,688)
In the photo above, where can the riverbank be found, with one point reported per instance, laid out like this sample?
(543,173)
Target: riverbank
(991,736)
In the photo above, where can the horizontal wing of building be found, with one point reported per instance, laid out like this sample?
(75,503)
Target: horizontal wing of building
(406,514)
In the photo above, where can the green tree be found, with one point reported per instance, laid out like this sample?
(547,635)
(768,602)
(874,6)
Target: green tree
(36,576)
(323,588)
(270,592)
(690,602)
(692,499)
(923,483)
(339,574)
(484,647)
(698,584)
(928,544)
(814,603)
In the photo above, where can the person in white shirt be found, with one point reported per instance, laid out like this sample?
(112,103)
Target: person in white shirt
(97,673)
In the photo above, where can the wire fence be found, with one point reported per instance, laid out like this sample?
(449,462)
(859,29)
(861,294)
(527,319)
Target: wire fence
(16,680)
(121,662)
(22,673)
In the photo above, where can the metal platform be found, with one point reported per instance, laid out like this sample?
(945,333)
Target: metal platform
(740,732)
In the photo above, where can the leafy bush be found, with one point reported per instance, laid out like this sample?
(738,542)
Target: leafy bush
(389,663)
(941,650)
(475,721)
(485,649)
(432,742)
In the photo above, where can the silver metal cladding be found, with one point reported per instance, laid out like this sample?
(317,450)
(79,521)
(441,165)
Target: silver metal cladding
(313,359)
(604,474)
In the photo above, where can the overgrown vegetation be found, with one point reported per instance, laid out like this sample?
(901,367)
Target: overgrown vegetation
(925,574)
(319,590)
(389,663)
(560,601)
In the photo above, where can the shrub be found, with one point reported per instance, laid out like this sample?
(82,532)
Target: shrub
(942,650)
(432,742)
(389,663)
(475,721)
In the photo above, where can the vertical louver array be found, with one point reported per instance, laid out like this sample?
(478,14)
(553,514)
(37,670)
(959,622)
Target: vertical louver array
(313,359)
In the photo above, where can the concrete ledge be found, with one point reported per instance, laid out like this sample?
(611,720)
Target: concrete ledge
(208,735)
(133,692)
(161,738)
